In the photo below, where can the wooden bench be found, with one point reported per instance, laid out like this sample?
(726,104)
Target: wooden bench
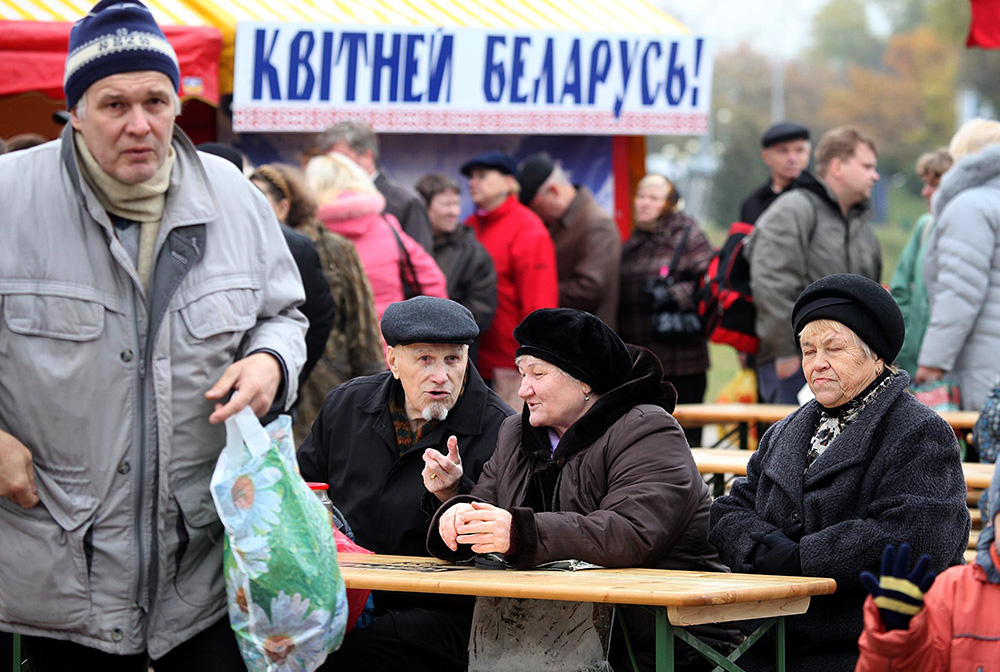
(717,463)
(743,416)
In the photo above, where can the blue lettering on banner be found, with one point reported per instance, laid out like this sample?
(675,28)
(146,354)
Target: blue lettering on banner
(439,65)
(262,66)
(571,80)
(601,53)
(326,66)
(628,60)
(517,71)
(355,43)
(647,97)
(297,61)
(547,73)
(494,69)
(410,69)
(676,78)
(416,67)
(381,61)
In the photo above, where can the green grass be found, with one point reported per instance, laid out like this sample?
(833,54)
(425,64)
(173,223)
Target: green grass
(904,210)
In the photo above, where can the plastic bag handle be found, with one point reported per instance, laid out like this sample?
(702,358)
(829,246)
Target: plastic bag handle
(246,425)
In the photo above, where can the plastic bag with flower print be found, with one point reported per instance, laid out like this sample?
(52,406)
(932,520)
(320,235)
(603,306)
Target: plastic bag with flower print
(287,600)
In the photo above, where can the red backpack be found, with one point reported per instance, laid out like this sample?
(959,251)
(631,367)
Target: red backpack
(725,302)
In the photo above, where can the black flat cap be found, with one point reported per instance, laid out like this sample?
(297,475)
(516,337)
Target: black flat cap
(532,175)
(578,343)
(784,132)
(428,319)
(857,302)
(495,160)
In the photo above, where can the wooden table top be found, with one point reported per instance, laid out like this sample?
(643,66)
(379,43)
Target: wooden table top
(702,414)
(651,587)
(734,461)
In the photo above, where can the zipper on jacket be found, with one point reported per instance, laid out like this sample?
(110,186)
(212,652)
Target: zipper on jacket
(140,478)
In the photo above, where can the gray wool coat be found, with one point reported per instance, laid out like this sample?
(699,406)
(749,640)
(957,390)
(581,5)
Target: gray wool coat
(893,475)
(962,275)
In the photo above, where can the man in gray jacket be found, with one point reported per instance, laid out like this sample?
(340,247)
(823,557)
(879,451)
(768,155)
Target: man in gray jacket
(819,228)
(140,284)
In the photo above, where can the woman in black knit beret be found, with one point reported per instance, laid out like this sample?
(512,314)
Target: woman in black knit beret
(863,465)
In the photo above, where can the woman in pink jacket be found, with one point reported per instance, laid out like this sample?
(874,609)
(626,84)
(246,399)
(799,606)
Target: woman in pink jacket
(918,623)
(350,205)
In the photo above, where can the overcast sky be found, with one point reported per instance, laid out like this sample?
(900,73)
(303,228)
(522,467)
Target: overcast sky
(774,27)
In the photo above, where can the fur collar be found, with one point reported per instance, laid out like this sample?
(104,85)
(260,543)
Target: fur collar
(643,385)
(971,171)
(352,205)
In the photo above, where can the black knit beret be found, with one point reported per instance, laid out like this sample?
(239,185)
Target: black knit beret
(428,319)
(861,304)
(532,175)
(578,343)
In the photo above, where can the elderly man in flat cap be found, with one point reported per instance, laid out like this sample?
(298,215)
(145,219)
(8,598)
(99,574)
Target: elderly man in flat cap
(588,244)
(140,283)
(524,258)
(393,446)
(785,152)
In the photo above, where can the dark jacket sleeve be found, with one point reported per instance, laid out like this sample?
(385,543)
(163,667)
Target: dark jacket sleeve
(481,295)
(312,457)
(734,516)
(318,307)
(653,490)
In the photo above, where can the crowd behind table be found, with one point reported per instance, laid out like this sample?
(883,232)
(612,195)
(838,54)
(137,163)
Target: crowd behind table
(493,387)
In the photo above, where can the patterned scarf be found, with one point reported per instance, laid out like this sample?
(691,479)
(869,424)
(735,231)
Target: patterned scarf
(833,421)
(406,436)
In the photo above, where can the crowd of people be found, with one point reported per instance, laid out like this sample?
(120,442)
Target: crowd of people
(494,388)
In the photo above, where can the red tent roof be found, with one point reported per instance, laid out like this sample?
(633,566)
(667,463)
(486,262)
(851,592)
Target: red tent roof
(34,56)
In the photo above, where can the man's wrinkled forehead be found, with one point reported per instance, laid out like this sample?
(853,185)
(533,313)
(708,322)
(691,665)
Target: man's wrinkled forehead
(140,84)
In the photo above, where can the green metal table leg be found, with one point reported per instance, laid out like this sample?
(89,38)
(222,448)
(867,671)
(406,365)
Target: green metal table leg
(779,639)
(664,642)
(17,653)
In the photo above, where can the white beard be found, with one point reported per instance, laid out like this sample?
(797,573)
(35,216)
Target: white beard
(435,411)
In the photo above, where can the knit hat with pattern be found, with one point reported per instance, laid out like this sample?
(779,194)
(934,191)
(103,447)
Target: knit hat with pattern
(116,36)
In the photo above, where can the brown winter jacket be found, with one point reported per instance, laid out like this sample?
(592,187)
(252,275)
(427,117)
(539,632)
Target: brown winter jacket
(626,488)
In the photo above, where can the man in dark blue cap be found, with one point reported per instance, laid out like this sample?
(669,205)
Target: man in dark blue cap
(785,151)
(393,446)
(525,260)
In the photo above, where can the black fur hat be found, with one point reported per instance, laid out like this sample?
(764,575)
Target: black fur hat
(578,343)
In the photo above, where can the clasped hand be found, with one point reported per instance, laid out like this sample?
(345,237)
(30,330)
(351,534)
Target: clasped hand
(484,526)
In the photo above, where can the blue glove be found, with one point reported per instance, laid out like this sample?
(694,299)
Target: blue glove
(898,595)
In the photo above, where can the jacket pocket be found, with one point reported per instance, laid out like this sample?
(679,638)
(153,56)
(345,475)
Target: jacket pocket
(198,578)
(52,316)
(45,578)
(219,312)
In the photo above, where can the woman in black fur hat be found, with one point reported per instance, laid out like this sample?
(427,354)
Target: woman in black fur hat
(863,465)
(595,469)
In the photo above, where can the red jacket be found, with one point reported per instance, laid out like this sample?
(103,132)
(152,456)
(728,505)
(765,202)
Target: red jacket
(958,630)
(525,260)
